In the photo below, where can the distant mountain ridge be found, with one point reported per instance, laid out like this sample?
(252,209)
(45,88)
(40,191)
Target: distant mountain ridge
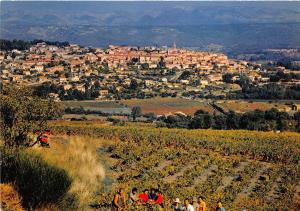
(236,26)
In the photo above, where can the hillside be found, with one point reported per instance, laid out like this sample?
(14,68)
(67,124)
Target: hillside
(257,170)
(232,26)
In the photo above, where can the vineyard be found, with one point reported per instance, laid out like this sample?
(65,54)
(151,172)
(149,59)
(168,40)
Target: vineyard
(244,169)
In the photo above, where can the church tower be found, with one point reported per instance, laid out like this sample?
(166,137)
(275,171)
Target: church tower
(174,44)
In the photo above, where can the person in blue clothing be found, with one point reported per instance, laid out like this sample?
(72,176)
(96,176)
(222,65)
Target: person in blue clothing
(152,196)
(220,207)
(176,206)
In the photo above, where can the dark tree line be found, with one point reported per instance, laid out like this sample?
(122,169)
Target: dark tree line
(8,45)
(268,120)
(288,63)
(284,76)
(270,91)
(266,91)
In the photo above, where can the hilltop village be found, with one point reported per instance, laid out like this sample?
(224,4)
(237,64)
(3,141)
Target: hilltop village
(122,72)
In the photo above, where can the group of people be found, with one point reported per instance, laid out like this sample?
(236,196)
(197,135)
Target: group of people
(196,205)
(146,198)
(155,197)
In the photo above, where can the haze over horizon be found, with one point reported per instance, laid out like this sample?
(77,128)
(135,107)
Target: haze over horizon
(228,26)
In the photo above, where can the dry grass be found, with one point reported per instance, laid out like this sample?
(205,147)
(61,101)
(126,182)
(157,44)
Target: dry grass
(79,157)
(10,199)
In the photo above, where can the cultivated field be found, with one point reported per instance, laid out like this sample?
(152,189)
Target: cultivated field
(161,106)
(108,107)
(242,106)
(244,169)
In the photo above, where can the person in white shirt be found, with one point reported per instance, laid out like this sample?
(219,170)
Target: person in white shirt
(195,204)
(133,197)
(187,206)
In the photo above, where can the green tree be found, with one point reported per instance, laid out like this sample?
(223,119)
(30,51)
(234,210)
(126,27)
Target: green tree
(145,66)
(161,64)
(201,121)
(297,118)
(133,84)
(252,120)
(283,122)
(232,120)
(22,112)
(227,77)
(219,122)
(272,114)
(178,121)
(200,112)
(136,112)
(97,85)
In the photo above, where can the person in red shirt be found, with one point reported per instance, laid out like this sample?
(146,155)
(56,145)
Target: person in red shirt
(144,196)
(159,199)
(42,138)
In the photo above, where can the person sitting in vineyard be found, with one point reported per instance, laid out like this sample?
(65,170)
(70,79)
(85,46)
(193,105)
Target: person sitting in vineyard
(144,196)
(133,197)
(195,204)
(159,199)
(177,205)
(152,196)
(187,206)
(202,204)
(220,207)
(118,202)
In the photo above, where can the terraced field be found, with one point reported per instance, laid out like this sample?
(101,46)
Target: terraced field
(245,169)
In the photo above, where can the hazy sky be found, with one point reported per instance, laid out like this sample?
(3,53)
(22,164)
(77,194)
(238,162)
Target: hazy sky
(152,0)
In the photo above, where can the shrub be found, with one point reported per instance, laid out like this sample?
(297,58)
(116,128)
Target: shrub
(10,199)
(38,182)
(136,112)
(69,202)
(115,121)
